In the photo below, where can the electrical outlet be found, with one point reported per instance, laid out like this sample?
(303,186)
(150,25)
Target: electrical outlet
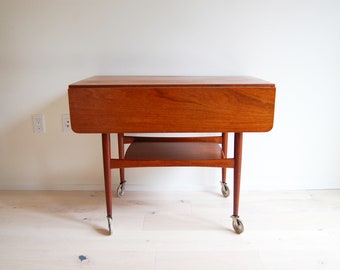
(66,123)
(38,123)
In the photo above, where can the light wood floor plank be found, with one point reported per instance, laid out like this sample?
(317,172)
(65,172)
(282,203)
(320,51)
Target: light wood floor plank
(169,230)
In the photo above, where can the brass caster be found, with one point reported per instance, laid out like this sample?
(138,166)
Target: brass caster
(121,189)
(237,225)
(109,222)
(225,190)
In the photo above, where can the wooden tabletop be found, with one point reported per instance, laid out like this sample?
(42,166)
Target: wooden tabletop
(97,81)
(141,104)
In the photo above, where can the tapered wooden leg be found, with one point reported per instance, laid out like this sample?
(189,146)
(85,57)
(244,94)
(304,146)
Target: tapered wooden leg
(106,145)
(224,187)
(237,224)
(121,154)
(225,151)
(237,170)
(121,187)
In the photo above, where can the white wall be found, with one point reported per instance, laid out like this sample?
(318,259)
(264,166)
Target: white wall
(46,45)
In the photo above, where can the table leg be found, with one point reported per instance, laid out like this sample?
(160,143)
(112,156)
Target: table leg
(106,145)
(121,187)
(224,186)
(237,170)
(121,154)
(237,224)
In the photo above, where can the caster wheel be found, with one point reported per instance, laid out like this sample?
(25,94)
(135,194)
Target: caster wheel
(121,189)
(237,225)
(225,190)
(109,223)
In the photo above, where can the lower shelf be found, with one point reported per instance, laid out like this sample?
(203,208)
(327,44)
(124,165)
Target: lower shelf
(174,151)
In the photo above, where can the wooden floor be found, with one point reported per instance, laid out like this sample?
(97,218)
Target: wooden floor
(172,230)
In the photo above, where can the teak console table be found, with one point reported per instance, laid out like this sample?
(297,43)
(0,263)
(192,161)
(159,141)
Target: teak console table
(170,104)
